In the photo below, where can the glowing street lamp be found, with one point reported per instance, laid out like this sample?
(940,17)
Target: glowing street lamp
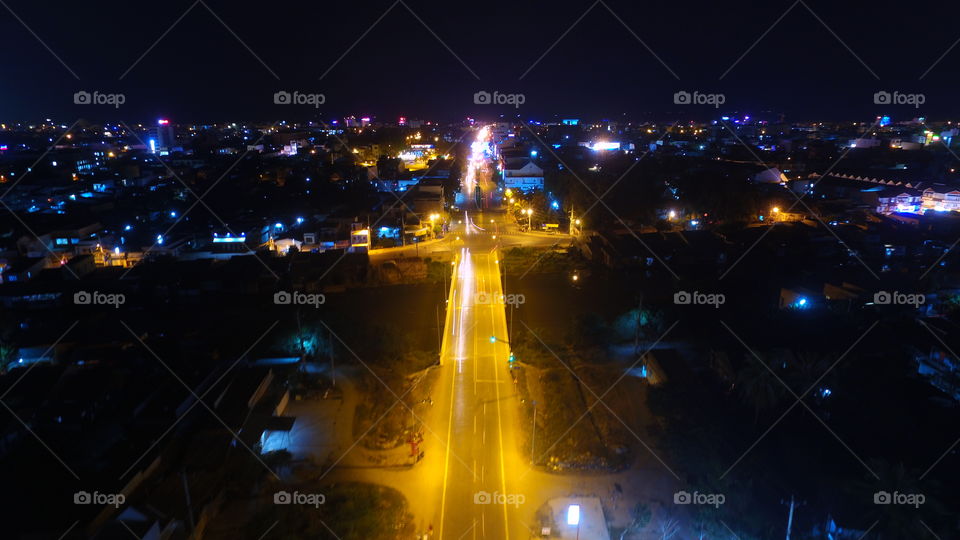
(431,219)
(573,517)
(529,212)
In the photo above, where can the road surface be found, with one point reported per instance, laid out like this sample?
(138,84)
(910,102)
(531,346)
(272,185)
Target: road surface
(480,497)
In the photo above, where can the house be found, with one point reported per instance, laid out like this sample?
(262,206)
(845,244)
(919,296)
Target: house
(522,174)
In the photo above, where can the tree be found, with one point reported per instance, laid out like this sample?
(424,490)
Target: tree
(667,527)
(898,521)
(640,516)
(759,386)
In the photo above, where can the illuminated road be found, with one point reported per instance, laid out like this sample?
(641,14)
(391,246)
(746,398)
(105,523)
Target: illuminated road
(476,393)
(476,388)
(473,462)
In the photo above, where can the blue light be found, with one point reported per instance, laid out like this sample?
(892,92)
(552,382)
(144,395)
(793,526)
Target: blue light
(802,302)
(299,220)
(493,339)
(278,225)
(229,239)
(533,153)
(127,228)
(555,205)
(173,214)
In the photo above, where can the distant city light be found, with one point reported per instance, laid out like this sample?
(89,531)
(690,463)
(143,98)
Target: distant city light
(605,145)
(228,239)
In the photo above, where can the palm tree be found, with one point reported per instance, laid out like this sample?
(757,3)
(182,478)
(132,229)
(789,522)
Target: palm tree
(807,368)
(759,386)
(640,518)
(900,521)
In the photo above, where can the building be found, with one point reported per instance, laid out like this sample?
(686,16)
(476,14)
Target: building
(162,138)
(918,202)
(522,174)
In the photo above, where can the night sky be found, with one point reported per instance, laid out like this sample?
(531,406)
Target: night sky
(202,70)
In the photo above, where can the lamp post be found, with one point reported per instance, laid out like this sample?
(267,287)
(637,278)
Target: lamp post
(573,517)
(533,438)
(529,212)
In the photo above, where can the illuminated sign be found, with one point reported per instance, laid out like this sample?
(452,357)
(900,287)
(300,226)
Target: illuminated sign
(605,145)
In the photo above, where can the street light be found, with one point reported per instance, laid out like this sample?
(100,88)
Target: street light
(431,219)
(573,517)
(529,218)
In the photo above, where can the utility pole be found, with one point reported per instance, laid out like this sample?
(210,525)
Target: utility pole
(793,505)
(790,518)
(186,494)
(636,335)
(333,368)
(533,439)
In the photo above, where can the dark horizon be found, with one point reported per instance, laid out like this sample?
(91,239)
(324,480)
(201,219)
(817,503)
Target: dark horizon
(207,60)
